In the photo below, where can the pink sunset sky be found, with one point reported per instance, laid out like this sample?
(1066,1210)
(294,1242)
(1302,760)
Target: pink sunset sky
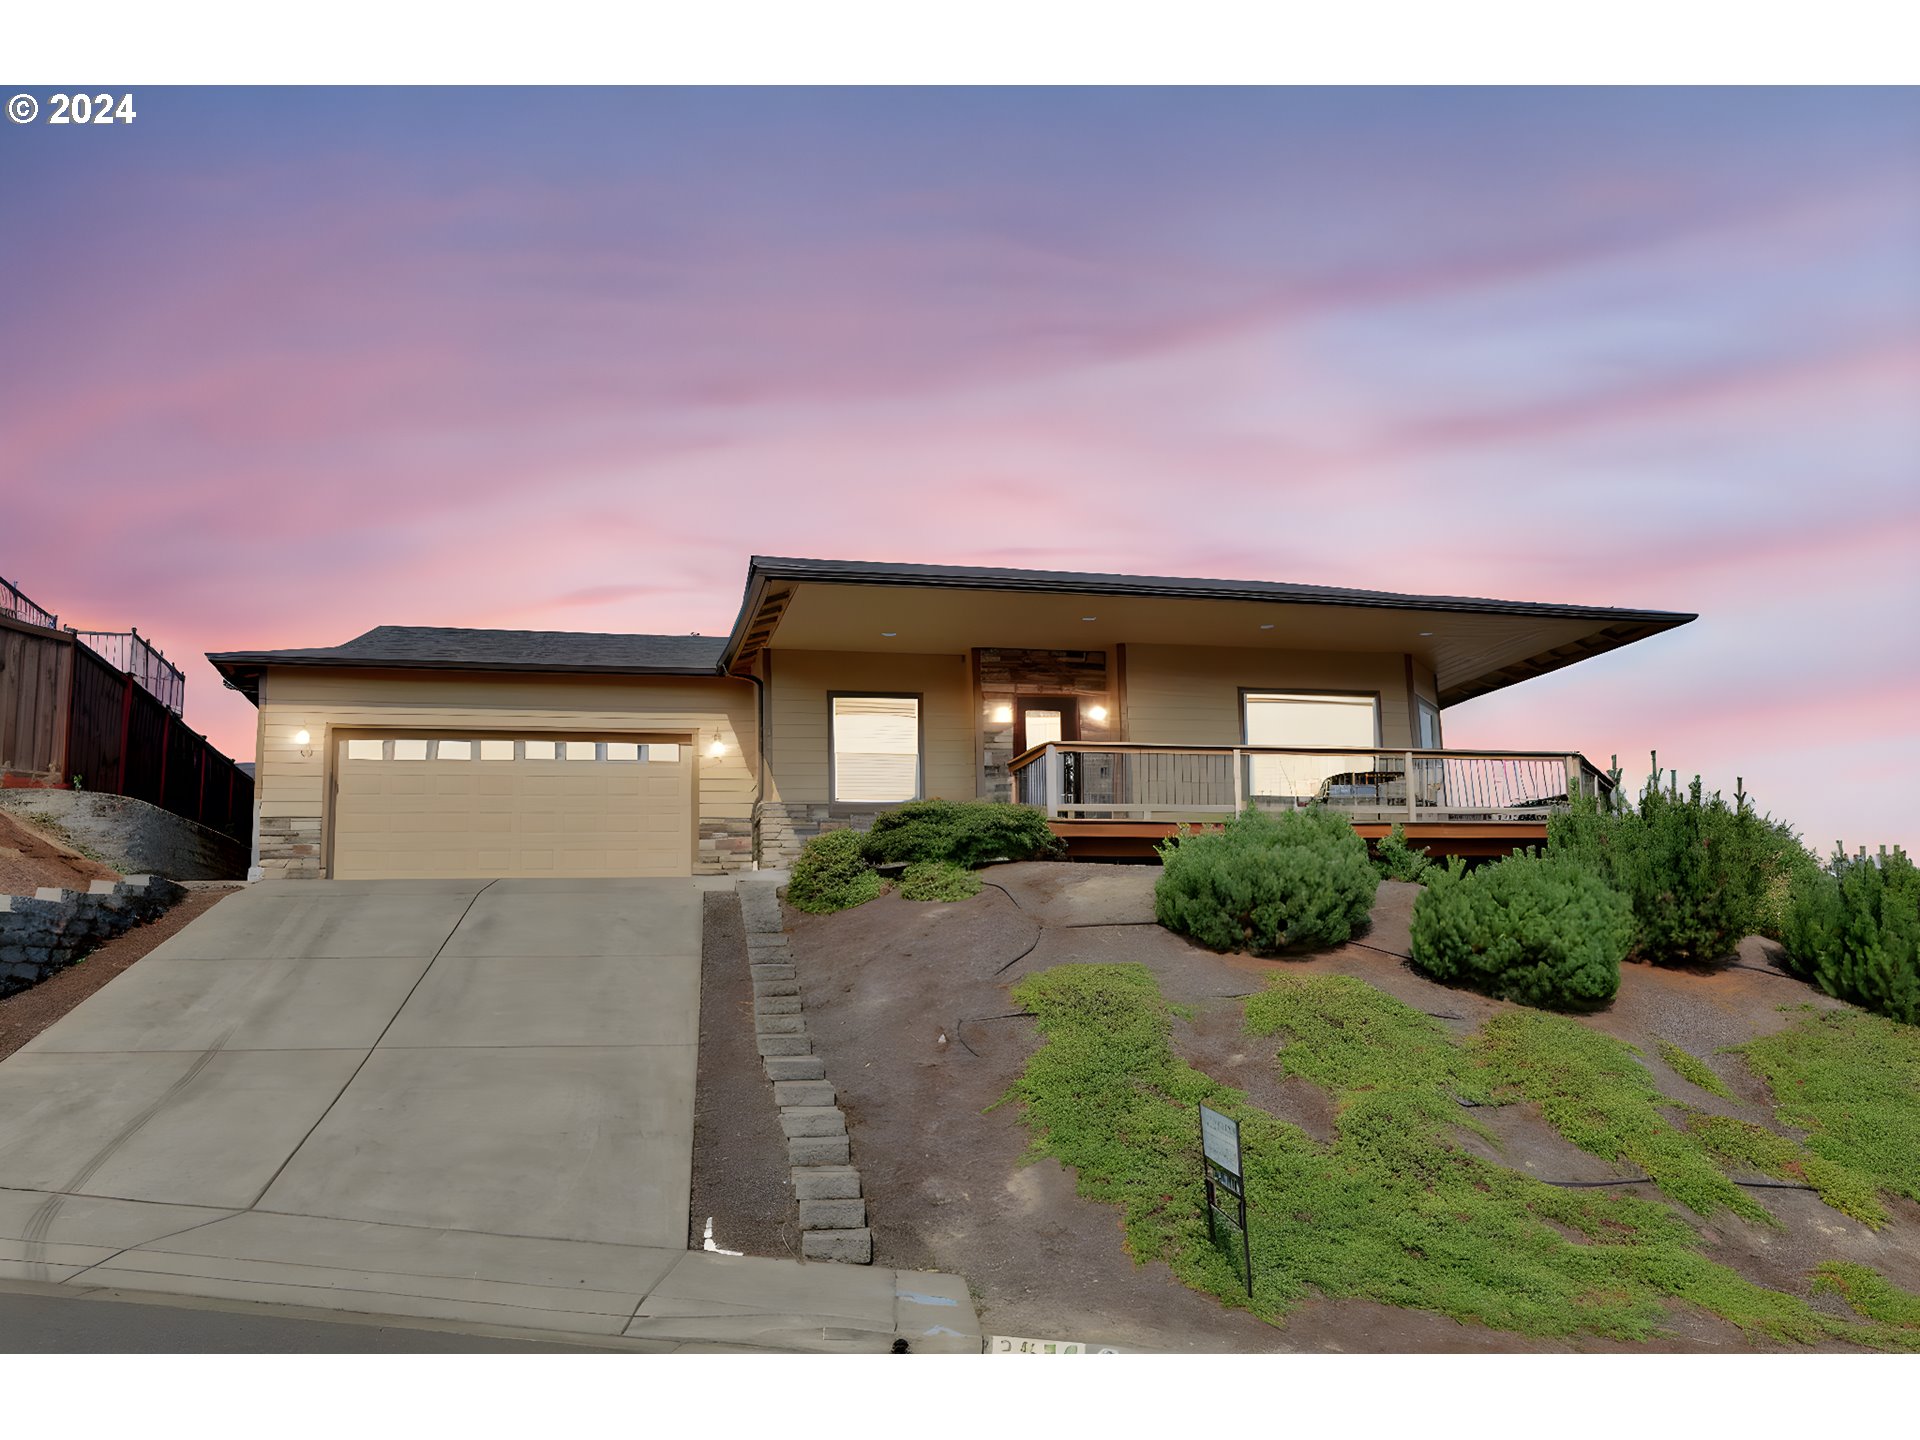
(283,365)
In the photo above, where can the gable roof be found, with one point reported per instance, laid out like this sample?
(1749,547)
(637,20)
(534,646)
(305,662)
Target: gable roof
(438,647)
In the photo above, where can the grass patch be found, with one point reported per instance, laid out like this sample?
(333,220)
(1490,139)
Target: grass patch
(938,880)
(1695,1071)
(1389,1210)
(1849,1080)
(1594,1090)
(1871,1294)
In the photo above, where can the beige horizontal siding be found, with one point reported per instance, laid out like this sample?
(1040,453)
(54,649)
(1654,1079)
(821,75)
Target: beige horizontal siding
(1190,695)
(690,710)
(797,714)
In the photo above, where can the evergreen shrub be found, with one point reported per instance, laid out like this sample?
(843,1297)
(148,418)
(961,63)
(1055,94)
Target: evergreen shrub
(1265,884)
(1542,930)
(1395,859)
(1696,869)
(967,832)
(831,874)
(1853,929)
(938,880)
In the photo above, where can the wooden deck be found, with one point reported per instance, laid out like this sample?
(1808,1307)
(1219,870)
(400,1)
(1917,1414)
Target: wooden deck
(1136,839)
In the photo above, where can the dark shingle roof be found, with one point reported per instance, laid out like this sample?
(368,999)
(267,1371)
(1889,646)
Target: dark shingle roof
(436,647)
(1076,582)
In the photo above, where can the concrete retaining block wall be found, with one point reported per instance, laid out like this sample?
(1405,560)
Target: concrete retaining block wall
(135,837)
(42,932)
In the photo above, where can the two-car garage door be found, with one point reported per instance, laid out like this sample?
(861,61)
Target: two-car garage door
(410,804)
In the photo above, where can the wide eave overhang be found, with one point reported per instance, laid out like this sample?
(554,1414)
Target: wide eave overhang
(1474,645)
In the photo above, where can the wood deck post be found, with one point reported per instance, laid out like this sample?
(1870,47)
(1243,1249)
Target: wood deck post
(1055,784)
(1239,782)
(1411,801)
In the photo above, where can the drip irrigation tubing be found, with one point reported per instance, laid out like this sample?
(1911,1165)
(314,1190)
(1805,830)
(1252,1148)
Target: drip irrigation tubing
(959,1026)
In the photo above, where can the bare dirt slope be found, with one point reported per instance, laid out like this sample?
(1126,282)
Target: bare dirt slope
(30,858)
(909,1005)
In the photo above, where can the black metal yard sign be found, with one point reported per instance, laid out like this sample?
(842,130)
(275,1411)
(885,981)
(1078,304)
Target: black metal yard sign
(1221,1169)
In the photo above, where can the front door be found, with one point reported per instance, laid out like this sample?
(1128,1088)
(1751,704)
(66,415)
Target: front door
(1046,720)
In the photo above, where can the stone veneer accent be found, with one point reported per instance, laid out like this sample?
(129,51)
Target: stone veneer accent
(52,928)
(1006,675)
(290,847)
(785,828)
(725,846)
(833,1216)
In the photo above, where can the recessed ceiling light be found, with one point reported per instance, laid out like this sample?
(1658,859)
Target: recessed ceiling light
(1266,627)
(1089,617)
(1426,634)
(889,634)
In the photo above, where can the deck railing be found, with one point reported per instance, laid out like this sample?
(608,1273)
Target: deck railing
(1125,781)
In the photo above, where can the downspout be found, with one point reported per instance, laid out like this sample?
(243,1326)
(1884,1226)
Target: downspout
(760,744)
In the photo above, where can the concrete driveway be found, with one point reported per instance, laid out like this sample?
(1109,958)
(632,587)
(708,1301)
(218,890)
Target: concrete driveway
(462,1100)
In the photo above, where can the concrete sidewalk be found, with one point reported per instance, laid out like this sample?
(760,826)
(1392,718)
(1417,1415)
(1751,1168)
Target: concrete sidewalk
(456,1100)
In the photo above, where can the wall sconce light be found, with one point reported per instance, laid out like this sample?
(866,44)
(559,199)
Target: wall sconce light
(718,747)
(1003,714)
(305,742)
(1096,712)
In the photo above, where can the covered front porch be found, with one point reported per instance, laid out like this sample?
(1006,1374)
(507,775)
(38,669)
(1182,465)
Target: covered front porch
(1115,799)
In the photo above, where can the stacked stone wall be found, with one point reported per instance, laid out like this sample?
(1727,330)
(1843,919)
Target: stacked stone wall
(52,928)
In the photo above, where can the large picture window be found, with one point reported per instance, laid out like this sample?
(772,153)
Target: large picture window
(876,749)
(1288,718)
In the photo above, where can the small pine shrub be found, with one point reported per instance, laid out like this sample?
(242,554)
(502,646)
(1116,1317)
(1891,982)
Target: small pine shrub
(1696,869)
(938,880)
(1395,859)
(1853,929)
(967,832)
(1267,884)
(1540,930)
(831,874)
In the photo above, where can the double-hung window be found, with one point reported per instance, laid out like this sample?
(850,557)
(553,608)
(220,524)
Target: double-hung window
(875,746)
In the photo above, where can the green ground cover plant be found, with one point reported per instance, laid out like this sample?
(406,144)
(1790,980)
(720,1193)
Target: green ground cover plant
(1395,859)
(1542,931)
(1850,1082)
(1267,884)
(1740,1145)
(831,874)
(1853,929)
(1594,1091)
(967,832)
(1696,869)
(1389,1210)
(938,880)
(1870,1293)
(1693,1070)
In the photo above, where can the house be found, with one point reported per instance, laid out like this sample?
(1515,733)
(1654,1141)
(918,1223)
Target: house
(1123,704)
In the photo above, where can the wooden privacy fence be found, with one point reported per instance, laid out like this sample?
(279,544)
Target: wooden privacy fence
(65,712)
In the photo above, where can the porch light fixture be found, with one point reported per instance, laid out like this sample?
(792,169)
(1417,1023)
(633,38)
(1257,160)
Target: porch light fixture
(1003,714)
(1096,712)
(301,737)
(718,747)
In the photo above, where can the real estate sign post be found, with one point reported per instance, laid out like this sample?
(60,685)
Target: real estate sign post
(1220,1169)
